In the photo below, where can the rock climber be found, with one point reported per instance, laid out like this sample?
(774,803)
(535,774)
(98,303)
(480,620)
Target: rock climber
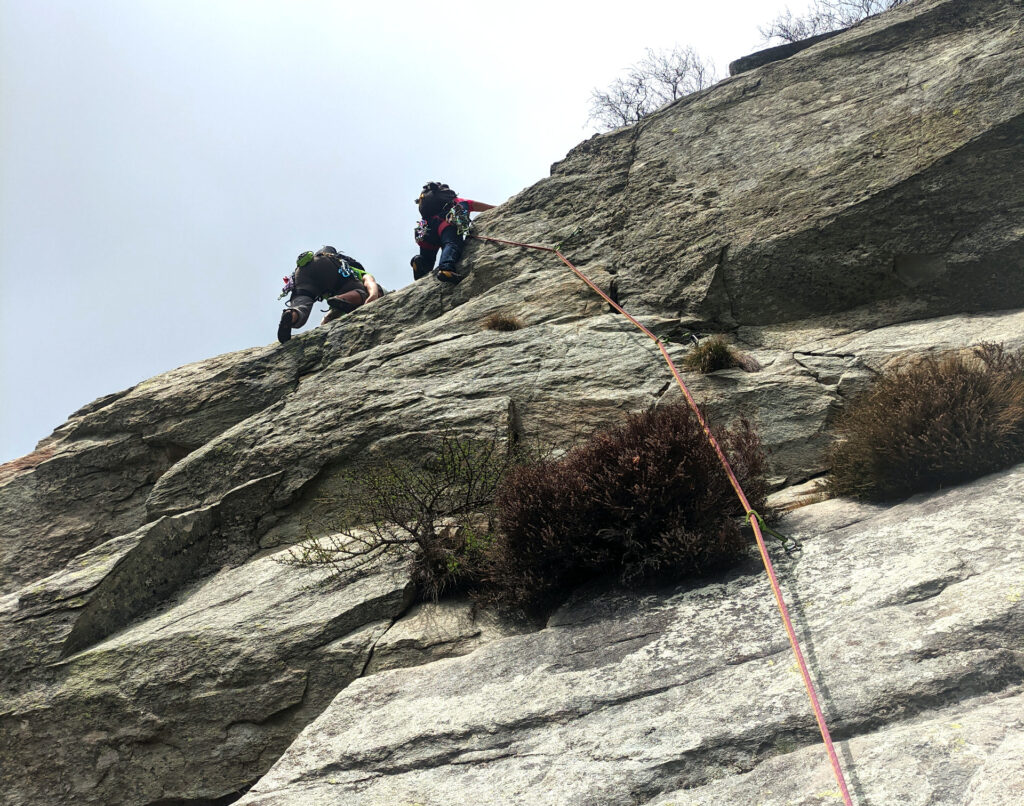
(339,280)
(444,221)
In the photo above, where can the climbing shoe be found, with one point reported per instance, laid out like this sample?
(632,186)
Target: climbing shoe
(447,276)
(284,327)
(417,272)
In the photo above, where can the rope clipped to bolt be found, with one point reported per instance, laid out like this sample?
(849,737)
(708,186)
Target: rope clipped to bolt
(757,523)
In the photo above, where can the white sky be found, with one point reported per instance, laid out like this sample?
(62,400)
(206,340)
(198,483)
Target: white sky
(162,162)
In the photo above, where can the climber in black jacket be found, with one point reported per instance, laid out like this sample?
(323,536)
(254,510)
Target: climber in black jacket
(339,280)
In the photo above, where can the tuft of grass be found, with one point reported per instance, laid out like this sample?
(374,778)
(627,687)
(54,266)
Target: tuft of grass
(499,320)
(714,353)
(644,501)
(930,423)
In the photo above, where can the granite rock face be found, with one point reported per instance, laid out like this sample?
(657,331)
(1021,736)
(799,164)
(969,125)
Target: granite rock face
(831,213)
(913,625)
(194,701)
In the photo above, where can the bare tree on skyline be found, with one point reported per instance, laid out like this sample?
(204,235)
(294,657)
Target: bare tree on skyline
(823,16)
(660,78)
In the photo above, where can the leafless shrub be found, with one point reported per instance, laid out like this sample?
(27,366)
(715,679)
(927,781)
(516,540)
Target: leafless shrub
(823,16)
(660,78)
(438,513)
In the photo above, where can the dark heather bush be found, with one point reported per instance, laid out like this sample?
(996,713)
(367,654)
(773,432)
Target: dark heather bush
(930,424)
(648,500)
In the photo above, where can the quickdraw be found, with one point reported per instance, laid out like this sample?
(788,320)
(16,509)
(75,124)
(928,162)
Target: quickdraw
(789,544)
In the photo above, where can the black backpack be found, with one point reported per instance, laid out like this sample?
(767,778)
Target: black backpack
(435,199)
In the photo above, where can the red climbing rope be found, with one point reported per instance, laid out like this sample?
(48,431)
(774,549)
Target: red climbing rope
(752,515)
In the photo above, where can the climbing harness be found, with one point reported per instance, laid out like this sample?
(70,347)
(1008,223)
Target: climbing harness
(457,216)
(345,269)
(757,523)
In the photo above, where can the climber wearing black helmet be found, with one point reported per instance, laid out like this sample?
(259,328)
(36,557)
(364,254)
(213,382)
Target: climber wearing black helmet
(443,226)
(339,280)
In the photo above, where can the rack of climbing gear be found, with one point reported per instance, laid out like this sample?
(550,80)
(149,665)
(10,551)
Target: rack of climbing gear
(458,217)
(757,523)
(421,231)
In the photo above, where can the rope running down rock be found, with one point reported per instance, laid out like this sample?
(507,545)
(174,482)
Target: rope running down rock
(753,517)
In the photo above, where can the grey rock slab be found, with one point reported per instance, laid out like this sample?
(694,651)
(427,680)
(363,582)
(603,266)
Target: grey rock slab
(788,407)
(88,482)
(778,181)
(470,381)
(798,495)
(774,54)
(107,588)
(968,756)
(877,345)
(811,368)
(908,615)
(432,631)
(197,700)
(557,380)
(687,214)
(684,215)
(35,622)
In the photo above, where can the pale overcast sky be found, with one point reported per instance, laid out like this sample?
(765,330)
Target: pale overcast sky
(162,162)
